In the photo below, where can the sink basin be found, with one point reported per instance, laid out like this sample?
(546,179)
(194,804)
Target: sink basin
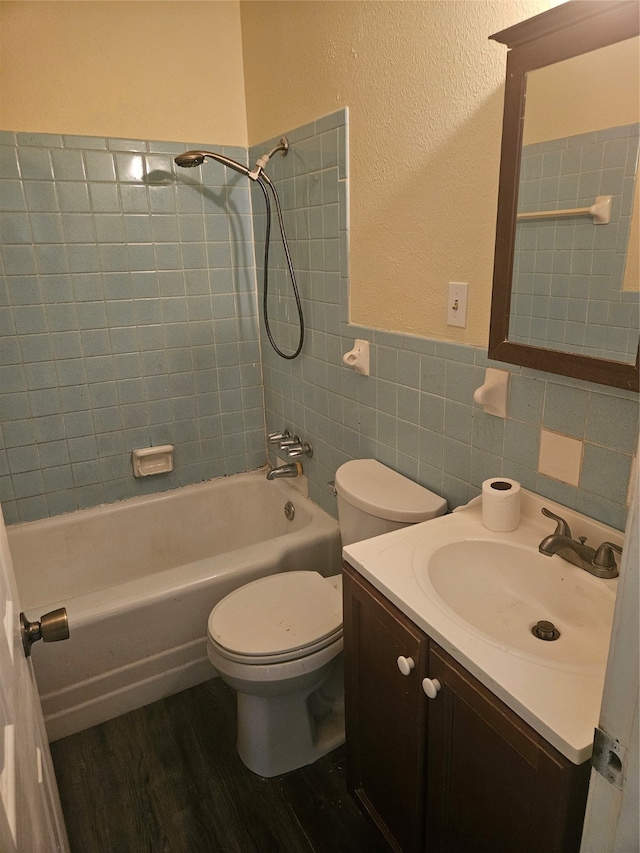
(503,589)
(477,594)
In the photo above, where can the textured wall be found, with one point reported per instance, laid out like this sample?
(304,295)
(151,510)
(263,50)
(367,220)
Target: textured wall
(424,87)
(415,412)
(589,92)
(423,84)
(151,70)
(422,81)
(127,310)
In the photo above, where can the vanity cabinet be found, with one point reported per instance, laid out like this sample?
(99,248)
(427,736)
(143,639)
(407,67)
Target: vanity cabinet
(493,783)
(385,713)
(460,772)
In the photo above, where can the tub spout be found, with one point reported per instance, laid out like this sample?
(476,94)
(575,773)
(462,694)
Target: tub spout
(292,469)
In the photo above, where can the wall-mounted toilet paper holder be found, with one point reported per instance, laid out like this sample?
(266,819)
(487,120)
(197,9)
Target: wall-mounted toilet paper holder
(494,394)
(358,357)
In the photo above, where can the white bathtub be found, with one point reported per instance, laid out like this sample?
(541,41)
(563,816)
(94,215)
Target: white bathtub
(139,578)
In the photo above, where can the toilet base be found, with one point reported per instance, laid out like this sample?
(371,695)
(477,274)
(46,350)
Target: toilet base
(278,734)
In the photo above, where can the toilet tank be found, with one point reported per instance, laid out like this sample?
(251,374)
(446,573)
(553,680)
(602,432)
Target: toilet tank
(374,499)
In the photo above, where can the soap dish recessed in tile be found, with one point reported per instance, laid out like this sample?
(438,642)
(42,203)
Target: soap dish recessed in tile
(152,460)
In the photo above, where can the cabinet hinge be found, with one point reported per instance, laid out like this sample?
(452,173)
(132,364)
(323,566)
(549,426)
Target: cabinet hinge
(609,757)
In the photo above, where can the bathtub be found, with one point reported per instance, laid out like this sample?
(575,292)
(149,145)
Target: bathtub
(139,578)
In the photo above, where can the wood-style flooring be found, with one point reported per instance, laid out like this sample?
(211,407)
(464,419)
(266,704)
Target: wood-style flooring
(167,779)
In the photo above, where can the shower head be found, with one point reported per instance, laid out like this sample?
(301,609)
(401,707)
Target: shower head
(197,158)
(190,159)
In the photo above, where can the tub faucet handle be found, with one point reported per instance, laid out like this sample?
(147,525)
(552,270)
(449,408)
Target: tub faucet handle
(289,441)
(275,437)
(301,448)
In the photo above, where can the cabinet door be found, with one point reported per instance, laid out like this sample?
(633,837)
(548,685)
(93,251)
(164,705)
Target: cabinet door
(385,713)
(493,783)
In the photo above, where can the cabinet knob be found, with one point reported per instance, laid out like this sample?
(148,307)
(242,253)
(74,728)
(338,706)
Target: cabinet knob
(431,687)
(405,665)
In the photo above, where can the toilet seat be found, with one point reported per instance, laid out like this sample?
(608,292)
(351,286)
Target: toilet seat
(277,618)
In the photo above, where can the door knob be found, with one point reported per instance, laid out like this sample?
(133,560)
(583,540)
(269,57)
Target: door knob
(431,686)
(52,627)
(405,665)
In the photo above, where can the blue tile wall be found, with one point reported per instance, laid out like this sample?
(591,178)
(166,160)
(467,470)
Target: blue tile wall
(415,412)
(128,318)
(128,310)
(568,273)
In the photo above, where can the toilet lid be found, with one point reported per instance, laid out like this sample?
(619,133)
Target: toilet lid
(277,614)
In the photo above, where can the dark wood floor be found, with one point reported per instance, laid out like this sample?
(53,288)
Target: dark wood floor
(167,779)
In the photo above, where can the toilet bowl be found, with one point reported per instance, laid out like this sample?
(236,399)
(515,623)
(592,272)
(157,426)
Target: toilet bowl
(278,640)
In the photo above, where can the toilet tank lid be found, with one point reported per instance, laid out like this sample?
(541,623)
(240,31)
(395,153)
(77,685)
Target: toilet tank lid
(371,487)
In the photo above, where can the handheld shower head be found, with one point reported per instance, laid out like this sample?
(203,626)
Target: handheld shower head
(190,159)
(196,158)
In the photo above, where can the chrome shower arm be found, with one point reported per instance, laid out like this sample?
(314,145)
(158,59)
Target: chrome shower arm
(261,162)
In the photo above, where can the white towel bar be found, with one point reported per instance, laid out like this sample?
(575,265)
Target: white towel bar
(600,210)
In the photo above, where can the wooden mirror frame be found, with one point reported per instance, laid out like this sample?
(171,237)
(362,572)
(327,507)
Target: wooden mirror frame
(577,27)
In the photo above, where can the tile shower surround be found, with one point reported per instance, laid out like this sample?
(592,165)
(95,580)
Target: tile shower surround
(414,413)
(128,319)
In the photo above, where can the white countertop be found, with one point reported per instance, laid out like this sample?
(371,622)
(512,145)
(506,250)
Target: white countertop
(559,701)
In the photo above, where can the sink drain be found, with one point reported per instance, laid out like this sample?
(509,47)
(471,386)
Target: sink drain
(544,630)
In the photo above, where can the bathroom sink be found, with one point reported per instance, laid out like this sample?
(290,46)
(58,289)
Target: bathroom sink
(478,593)
(504,589)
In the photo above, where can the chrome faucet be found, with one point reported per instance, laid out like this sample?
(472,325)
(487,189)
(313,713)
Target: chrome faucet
(600,562)
(292,469)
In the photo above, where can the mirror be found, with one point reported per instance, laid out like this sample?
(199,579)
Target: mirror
(565,290)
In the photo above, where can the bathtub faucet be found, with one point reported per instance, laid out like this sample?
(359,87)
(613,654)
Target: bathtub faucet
(292,469)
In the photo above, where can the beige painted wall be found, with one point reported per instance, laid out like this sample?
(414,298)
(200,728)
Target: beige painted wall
(137,70)
(421,79)
(423,84)
(588,92)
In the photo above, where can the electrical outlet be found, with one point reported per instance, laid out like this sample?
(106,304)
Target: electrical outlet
(457,304)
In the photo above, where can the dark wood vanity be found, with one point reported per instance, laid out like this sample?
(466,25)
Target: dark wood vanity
(460,772)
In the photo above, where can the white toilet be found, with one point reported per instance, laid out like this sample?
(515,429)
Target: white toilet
(278,640)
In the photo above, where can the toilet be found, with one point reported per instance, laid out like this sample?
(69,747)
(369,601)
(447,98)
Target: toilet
(278,640)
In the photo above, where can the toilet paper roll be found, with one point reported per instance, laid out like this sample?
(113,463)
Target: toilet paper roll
(501,504)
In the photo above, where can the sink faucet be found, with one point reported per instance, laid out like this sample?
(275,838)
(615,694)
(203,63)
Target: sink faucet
(600,562)
(292,469)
